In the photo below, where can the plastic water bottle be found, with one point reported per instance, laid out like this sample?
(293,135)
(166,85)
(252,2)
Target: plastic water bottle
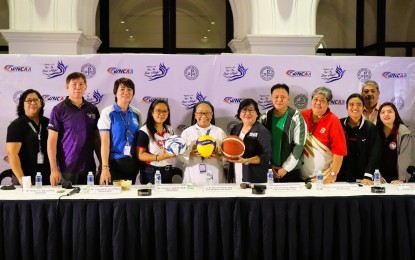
(38,180)
(376,178)
(157,178)
(270,177)
(319,180)
(90,180)
(209,178)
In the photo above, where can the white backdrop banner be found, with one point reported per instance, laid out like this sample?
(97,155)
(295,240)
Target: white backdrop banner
(224,80)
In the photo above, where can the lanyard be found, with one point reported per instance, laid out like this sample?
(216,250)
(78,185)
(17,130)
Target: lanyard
(200,133)
(126,124)
(39,138)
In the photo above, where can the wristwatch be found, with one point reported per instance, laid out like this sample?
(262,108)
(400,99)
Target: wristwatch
(333,174)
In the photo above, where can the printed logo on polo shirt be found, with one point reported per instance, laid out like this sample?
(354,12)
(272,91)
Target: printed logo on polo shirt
(394,75)
(298,73)
(364,74)
(300,101)
(190,100)
(16,96)
(13,68)
(88,70)
(91,115)
(52,71)
(231,125)
(191,72)
(337,102)
(233,100)
(267,73)
(234,73)
(149,99)
(116,71)
(264,102)
(94,98)
(399,102)
(330,74)
(154,72)
(322,130)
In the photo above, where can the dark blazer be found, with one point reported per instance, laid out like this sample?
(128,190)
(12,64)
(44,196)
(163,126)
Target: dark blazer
(257,142)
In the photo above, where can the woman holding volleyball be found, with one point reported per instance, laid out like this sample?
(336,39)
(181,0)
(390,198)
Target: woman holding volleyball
(150,144)
(196,166)
(253,165)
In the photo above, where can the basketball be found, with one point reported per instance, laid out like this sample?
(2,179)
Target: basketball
(175,145)
(233,147)
(205,145)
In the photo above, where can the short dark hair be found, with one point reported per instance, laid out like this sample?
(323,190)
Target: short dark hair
(150,123)
(247,102)
(126,82)
(20,106)
(75,75)
(284,86)
(355,95)
(212,121)
(398,119)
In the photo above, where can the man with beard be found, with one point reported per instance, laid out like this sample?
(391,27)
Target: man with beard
(370,91)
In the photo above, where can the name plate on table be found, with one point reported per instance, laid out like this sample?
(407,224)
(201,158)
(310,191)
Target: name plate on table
(345,187)
(284,187)
(407,187)
(105,189)
(41,191)
(219,188)
(171,187)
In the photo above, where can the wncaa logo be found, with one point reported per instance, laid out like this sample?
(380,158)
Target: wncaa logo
(149,99)
(113,71)
(12,68)
(296,74)
(392,75)
(232,100)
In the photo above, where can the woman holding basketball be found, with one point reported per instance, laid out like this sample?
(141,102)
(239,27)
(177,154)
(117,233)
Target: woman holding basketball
(253,165)
(196,167)
(150,144)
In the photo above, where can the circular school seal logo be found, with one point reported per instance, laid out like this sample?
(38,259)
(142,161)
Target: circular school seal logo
(231,125)
(364,74)
(191,72)
(267,73)
(301,101)
(398,102)
(16,96)
(392,146)
(88,70)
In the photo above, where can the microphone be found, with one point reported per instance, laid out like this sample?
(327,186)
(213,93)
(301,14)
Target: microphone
(308,184)
(245,185)
(75,190)
(176,179)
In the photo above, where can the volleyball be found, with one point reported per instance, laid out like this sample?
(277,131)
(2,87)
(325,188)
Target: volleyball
(175,145)
(205,145)
(233,147)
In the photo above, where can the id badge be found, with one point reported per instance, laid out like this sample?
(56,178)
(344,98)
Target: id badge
(40,158)
(202,168)
(127,150)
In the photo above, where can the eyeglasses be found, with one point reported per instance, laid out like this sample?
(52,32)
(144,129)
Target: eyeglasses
(207,114)
(249,111)
(158,111)
(30,101)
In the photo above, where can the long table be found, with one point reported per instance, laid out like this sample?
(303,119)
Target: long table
(195,224)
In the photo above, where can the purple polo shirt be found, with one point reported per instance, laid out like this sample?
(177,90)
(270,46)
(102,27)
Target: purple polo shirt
(76,130)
